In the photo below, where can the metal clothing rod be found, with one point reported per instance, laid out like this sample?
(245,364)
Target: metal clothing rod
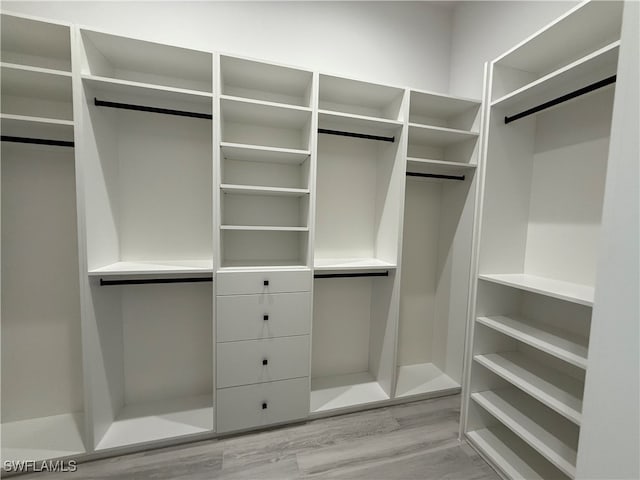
(350,275)
(37,141)
(435,175)
(142,108)
(145,281)
(561,99)
(357,135)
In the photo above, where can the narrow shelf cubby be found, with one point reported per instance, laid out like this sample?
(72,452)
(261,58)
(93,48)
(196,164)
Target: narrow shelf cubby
(264,81)
(352,342)
(255,246)
(153,377)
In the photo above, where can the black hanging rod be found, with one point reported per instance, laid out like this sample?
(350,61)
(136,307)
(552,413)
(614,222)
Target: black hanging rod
(561,99)
(350,275)
(37,141)
(357,135)
(435,175)
(143,108)
(145,281)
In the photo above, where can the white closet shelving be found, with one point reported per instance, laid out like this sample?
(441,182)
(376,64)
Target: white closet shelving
(543,189)
(265,164)
(360,171)
(438,215)
(42,388)
(147,152)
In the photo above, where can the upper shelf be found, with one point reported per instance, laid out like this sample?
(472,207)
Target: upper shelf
(442,110)
(351,264)
(35,43)
(570,292)
(258,153)
(263,81)
(157,268)
(591,68)
(239,110)
(440,167)
(360,98)
(358,123)
(36,127)
(122,58)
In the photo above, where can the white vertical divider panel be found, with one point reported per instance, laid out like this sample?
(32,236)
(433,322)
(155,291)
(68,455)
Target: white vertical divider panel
(475,250)
(216,179)
(609,436)
(385,307)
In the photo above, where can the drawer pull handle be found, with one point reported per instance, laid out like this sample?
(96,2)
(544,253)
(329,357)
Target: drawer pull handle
(265,361)
(264,405)
(266,283)
(265,317)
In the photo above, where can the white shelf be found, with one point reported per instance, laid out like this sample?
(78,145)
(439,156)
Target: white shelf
(39,127)
(343,391)
(43,438)
(590,24)
(263,228)
(540,430)
(31,82)
(156,268)
(127,87)
(517,464)
(570,292)
(423,378)
(556,390)
(27,119)
(352,264)
(242,110)
(434,105)
(438,136)
(562,345)
(264,81)
(258,190)
(257,153)
(442,167)
(153,421)
(263,265)
(358,123)
(26,40)
(603,61)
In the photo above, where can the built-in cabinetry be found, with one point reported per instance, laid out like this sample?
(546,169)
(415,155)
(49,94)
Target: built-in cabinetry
(43,401)
(533,293)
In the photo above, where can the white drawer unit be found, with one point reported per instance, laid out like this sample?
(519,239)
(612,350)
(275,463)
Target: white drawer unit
(262,404)
(249,317)
(264,282)
(256,361)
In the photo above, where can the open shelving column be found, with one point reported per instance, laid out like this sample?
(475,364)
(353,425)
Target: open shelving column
(359,184)
(148,184)
(543,190)
(40,284)
(442,155)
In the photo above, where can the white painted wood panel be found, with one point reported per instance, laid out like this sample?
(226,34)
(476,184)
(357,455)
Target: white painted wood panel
(242,317)
(263,282)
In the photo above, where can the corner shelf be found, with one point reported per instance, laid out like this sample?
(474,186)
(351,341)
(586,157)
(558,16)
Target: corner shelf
(568,291)
(545,338)
(155,268)
(423,378)
(148,422)
(556,390)
(344,391)
(43,438)
(554,440)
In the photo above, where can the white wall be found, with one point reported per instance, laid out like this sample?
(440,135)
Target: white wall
(399,43)
(482,30)
(610,436)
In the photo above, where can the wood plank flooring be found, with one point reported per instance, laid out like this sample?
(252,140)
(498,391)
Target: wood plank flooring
(415,441)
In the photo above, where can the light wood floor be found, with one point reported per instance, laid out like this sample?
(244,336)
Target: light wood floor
(416,441)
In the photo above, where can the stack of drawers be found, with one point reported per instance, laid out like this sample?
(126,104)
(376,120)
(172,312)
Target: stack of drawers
(263,320)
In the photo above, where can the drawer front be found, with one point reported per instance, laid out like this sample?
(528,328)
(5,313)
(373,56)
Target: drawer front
(238,283)
(255,361)
(249,317)
(262,404)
